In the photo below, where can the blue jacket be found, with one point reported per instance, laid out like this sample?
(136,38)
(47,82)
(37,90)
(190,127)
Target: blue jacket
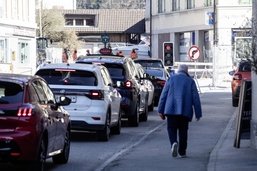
(180,97)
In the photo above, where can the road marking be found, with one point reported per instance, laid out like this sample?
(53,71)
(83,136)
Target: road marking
(123,151)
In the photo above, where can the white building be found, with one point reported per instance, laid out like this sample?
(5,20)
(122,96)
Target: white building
(211,26)
(17,36)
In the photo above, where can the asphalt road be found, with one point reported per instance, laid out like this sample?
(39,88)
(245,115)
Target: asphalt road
(146,147)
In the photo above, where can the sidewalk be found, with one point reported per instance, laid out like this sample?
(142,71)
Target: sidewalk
(225,157)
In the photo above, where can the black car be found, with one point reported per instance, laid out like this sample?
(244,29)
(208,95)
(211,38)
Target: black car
(159,76)
(123,73)
(33,126)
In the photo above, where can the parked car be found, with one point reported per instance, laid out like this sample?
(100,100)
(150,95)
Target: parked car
(95,105)
(145,81)
(242,72)
(159,76)
(33,126)
(123,73)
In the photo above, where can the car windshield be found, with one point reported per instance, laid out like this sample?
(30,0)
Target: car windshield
(10,93)
(68,77)
(150,63)
(156,73)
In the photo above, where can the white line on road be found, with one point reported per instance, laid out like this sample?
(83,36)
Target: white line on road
(116,155)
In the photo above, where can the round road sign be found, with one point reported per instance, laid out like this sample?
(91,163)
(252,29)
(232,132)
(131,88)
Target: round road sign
(194,52)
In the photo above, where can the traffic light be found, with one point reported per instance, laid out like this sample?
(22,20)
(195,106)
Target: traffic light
(168,53)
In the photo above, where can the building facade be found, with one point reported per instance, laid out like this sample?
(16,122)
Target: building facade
(17,36)
(211,25)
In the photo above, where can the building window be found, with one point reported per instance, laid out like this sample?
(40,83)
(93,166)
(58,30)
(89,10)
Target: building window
(185,42)
(2,9)
(23,50)
(90,22)
(161,6)
(69,22)
(175,5)
(3,49)
(245,2)
(190,4)
(79,22)
(208,3)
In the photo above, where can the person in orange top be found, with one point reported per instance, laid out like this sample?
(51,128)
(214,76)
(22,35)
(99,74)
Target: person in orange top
(133,54)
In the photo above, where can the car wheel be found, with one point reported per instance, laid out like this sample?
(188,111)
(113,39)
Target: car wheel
(116,129)
(63,157)
(105,134)
(134,120)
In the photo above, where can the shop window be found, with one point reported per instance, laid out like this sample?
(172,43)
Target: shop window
(23,52)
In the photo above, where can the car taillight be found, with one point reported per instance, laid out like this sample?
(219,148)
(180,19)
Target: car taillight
(24,112)
(161,82)
(96,95)
(128,84)
(237,77)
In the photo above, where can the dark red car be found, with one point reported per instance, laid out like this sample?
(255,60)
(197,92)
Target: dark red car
(242,72)
(33,126)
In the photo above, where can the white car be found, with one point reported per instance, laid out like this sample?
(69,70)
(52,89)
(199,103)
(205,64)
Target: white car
(148,84)
(95,105)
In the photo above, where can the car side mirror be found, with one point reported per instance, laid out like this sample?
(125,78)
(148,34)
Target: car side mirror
(231,72)
(64,101)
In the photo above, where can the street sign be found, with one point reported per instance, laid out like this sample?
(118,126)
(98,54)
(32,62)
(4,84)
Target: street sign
(105,38)
(194,52)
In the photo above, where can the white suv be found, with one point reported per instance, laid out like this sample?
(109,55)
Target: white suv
(95,105)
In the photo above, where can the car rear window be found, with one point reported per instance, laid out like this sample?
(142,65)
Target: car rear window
(150,64)
(10,93)
(116,71)
(68,77)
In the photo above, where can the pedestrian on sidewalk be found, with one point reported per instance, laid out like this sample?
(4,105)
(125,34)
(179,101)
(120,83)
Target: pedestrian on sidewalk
(179,100)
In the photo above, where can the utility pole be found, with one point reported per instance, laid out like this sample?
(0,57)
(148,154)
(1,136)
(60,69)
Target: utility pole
(214,60)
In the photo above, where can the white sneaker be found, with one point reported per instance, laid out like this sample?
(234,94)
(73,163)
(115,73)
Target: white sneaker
(182,156)
(174,149)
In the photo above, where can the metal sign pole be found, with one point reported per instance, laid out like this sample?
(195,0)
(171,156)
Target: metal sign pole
(195,79)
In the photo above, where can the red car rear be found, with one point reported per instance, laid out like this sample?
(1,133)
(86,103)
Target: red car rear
(242,72)
(33,126)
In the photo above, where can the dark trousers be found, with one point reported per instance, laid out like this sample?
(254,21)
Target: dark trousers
(178,125)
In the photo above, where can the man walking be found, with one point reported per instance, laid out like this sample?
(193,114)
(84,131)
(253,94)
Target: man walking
(178,101)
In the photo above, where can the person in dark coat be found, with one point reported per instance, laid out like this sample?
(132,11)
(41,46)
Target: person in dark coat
(178,102)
